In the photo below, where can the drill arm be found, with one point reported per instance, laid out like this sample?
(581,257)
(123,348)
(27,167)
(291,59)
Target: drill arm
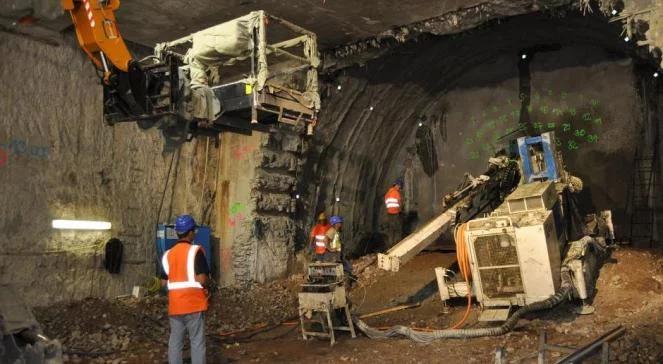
(97,33)
(131,90)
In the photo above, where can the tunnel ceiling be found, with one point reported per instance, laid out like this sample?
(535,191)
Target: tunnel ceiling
(335,21)
(349,32)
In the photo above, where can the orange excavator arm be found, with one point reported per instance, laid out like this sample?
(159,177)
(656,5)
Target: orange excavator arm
(98,35)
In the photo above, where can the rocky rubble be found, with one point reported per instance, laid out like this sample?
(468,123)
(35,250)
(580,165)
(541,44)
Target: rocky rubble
(97,330)
(136,331)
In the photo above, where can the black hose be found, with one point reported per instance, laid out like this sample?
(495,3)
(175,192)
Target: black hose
(92,353)
(249,337)
(429,336)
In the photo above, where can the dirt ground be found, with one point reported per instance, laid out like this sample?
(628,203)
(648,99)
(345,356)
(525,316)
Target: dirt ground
(243,325)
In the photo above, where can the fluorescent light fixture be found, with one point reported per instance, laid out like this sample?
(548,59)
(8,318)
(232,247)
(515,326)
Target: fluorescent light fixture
(81,225)
(524,56)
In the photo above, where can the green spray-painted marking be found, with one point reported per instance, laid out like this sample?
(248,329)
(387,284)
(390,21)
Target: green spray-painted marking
(236,207)
(546,105)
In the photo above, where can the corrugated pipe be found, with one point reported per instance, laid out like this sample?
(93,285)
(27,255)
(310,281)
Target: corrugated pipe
(429,336)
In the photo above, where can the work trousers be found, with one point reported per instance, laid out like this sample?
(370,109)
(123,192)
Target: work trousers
(347,266)
(194,324)
(394,229)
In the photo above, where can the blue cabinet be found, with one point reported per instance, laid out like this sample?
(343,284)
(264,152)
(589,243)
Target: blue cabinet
(166,238)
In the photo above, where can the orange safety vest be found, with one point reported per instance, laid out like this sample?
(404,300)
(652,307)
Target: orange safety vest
(318,234)
(392,199)
(185,294)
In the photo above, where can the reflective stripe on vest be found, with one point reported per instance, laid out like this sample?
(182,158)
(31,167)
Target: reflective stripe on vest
(190,270)
(164,262)
(392,202)
(319,240)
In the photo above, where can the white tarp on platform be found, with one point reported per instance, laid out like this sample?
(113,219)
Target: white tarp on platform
(213,46)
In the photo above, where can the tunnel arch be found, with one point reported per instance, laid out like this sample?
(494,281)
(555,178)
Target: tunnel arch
(371,113)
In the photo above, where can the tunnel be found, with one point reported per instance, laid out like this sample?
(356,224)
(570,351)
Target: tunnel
(220,147)
(437,107)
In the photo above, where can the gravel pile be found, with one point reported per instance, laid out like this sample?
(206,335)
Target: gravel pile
(99,331)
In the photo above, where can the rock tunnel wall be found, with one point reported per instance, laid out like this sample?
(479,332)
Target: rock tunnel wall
(465,92)
(59,160)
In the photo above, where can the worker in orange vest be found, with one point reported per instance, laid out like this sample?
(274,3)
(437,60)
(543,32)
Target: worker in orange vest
(185,272)
(317,238)
(394,202)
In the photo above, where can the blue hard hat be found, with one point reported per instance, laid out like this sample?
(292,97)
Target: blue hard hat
(399,181)
(184,223)
(335,220)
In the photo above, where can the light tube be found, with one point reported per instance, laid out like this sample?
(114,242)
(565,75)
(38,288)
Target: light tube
(81,225)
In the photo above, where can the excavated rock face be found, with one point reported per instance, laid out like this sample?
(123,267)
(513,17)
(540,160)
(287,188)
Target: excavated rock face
(577,79)
(58,160)
(273,227)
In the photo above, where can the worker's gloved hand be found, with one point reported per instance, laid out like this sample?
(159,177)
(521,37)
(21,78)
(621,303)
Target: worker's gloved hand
(210,288)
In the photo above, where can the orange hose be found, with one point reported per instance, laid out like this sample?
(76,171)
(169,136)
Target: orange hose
(464,265)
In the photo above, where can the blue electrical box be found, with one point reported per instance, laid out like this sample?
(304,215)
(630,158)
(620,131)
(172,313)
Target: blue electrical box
(166,238)
(539,160)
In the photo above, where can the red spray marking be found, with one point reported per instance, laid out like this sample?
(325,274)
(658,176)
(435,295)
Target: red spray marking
(4,157)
